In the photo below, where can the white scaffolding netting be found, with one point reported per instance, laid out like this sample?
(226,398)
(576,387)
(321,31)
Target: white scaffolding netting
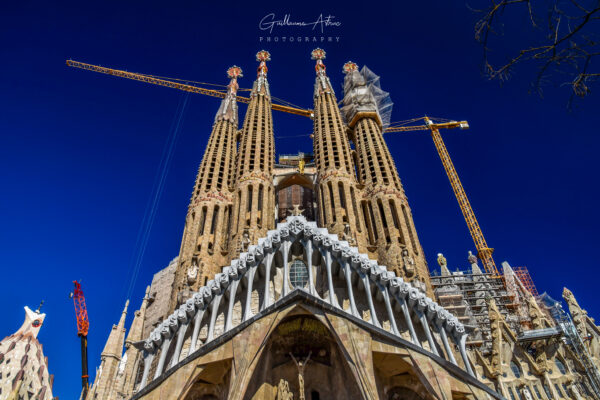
(363,93)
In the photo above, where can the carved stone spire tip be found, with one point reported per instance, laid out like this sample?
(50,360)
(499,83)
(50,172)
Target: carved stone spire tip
(317,54)
(234,72)
(263,55)
(349,67)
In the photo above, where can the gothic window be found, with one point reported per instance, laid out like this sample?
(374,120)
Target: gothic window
(515,369)
(332,201)
(537,392)
(512,395)
(214,220)
(202,220)
(342,197)
(560,366)
(355,209)
(372,215)
(249,198)
(298,274)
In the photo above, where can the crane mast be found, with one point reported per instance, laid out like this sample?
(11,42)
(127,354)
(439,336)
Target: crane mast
(483,251)
(83,325)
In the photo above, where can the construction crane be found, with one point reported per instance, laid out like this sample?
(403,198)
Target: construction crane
(483,251)
(83,325)
(167,82)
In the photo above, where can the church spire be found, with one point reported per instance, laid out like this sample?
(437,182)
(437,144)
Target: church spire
(114,344)
(110,358)
(205,237)
(254,199)
(387,216)
(228,110)
(336,180)
(126,373)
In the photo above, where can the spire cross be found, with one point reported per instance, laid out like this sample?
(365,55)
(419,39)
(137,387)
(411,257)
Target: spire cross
(263,56)
(319,55)
(350,67)
(233,73)
(39,307)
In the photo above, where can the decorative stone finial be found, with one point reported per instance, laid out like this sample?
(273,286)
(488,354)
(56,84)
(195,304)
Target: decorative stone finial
(263,56)
(234,72)
(319,55)
(472,258)
(40,307)
(350,67)
(442,260)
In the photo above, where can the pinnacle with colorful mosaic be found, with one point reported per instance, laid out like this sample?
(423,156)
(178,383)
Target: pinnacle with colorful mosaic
(350,67)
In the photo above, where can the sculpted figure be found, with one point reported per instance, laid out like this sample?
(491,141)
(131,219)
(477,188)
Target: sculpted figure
(283,390)
(347,235)
(408,263)
(301,365)
(192,274)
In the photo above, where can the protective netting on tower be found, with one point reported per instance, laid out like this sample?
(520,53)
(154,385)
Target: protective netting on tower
(363,93)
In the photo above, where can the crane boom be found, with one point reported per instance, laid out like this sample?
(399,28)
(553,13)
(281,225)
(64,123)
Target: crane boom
(83,325)
(180,86)
(483,251)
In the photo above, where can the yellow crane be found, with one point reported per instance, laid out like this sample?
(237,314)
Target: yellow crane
(483,251)
(177,85)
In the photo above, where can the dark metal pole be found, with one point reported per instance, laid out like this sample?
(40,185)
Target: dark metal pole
(84,367)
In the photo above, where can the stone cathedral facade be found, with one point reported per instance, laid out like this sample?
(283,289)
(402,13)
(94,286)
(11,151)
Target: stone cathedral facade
(264,302)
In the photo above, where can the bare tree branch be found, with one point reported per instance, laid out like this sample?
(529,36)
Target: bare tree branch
(565,45)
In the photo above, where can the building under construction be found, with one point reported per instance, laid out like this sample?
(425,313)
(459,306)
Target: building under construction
(466,294)
(306,278)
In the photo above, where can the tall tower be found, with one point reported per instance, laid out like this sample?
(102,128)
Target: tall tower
(205,237)
(387,216)
(254,204)
(336,180)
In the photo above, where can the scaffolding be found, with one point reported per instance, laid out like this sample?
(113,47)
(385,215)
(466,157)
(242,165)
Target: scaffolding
(564,321)
(465,294)
(525,278)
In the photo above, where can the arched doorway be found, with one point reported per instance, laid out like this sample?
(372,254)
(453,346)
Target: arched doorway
(292,190)
(302,356)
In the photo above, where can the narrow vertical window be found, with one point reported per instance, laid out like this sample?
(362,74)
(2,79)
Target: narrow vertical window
(355,209)
(368,225)
(342,196)
(215,218)
(260,198)
(249,198)
(332,201)
(323,209)
(373,221)
(409,227)
(202,220)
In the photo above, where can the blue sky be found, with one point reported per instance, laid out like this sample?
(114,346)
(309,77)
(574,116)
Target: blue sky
(79,151)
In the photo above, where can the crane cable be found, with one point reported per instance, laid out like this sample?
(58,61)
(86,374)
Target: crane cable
(156,193)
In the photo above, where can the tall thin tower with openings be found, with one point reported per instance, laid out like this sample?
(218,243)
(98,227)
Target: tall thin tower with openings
(254,197)
(204,247)
(336,179)
(390,230)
